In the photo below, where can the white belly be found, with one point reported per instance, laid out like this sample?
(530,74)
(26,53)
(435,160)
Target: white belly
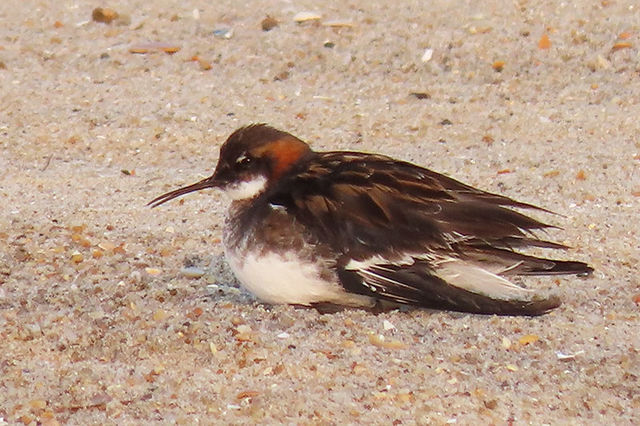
(283,279)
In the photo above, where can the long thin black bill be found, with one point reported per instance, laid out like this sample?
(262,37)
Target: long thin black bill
(203,184)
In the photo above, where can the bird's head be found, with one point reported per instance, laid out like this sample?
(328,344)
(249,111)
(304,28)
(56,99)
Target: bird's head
(251,160)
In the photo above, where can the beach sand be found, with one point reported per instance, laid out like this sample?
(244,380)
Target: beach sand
(113,313)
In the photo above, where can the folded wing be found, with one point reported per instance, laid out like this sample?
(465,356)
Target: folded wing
(411,235)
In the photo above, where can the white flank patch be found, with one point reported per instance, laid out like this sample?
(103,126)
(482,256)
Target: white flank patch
(283,279)
(246,189)
(454,272)
(360,265)
(480,281)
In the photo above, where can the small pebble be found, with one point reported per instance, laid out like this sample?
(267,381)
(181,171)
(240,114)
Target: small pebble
(306,16)
(498,66)
(192,272)
(544,43)
(153,271)
(621,45)
(244,334)
(104,15)
(160,315)
(107,246)
(144,48)
(506,343)
(76,257)
(528,339)
(420,95)
(225,33)
(427,55)
(243,328)
(281,76)
(567,357)
(268,23)
(379,341)
(38,404)
(247,394)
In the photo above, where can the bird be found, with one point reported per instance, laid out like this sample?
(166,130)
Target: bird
(348,229)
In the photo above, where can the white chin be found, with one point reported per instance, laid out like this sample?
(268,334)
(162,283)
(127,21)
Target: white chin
(246,190)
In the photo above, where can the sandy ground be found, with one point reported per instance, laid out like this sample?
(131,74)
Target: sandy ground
(99,324)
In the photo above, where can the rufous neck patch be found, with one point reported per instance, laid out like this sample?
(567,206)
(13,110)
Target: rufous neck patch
(284,153)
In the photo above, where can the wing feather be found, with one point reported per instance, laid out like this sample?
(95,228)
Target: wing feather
(436,241)
(370,203)
(446,284)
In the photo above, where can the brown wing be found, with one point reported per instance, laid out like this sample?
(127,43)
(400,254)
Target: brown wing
(411,235)
(367,203)
(458,286)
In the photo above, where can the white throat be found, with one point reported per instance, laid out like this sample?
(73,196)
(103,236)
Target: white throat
(246,190)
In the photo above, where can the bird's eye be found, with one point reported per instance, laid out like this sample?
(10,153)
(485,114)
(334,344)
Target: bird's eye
(244,161)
